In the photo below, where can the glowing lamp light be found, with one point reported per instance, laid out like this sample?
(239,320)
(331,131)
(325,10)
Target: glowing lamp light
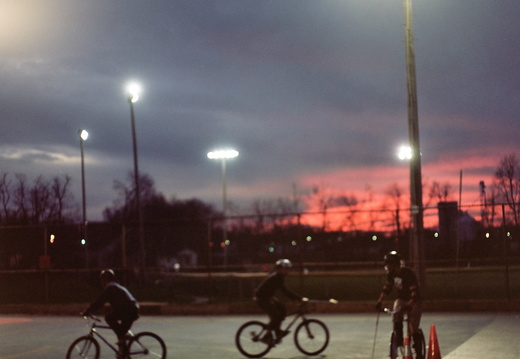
(133,89)
(222,154)
(83,134)
(404,153)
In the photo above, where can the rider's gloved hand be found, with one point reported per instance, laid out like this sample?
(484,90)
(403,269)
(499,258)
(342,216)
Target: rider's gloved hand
(379,306)
(408,305)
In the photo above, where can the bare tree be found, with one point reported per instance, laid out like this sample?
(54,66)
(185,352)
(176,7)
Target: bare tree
(395,193)
(507,177)
(42,201)
(440,192)
(323,198)
(63,199)
(5,198)
(21,198)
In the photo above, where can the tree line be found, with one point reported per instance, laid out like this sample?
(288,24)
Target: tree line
(50,201)
(40,201)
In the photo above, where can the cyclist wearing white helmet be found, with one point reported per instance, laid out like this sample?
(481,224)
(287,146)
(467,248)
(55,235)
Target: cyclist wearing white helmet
(264,296)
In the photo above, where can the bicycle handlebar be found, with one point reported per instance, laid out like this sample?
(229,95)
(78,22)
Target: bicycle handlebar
(394,311)
(91,317)
(331,301)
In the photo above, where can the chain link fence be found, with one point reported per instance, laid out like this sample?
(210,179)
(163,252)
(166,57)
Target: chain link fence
(471,252)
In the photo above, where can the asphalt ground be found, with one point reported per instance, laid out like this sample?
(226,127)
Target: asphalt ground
(460,335)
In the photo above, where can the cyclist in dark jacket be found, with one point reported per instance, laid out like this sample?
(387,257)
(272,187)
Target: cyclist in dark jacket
(408,296)
(264,296)
(125,309)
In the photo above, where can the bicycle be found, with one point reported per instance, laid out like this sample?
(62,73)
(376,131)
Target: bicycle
(396,347)
(311,336)
(142,345)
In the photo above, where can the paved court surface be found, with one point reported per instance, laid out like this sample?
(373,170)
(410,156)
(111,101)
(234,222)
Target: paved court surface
(478,335)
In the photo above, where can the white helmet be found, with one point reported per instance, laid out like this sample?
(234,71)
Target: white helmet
(283,263)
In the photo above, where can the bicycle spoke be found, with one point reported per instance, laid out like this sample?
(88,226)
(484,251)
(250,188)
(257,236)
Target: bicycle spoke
(250,340)
(147,345)
(311,337)
(83,348)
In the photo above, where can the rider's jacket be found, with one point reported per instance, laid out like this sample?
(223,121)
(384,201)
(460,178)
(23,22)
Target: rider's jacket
(406,284)
(119,298)
(271,284)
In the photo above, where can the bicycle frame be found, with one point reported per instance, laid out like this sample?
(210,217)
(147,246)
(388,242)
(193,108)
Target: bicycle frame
(299,313)
(408,332)
(93,332)
(405,317)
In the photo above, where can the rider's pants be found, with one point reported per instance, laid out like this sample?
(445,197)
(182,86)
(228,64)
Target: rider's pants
(275,310)
(414,317)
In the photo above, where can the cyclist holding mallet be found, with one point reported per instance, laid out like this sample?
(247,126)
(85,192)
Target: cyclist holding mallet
(264,296)
(408,296)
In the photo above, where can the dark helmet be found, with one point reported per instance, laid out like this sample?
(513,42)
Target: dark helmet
(283,263)
(108,275)
(392,258)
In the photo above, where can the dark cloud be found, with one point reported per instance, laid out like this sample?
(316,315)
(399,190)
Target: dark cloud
(299,87)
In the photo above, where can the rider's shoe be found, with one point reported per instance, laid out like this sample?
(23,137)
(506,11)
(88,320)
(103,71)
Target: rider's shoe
(122,352)
(267,339)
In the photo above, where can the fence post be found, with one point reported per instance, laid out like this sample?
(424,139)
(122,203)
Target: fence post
(505,250)
(210,247)
(45,270)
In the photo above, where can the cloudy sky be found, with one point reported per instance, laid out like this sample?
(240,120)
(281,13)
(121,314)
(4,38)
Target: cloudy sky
(310,92)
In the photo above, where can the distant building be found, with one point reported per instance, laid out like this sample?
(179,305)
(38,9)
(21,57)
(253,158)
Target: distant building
(454,225)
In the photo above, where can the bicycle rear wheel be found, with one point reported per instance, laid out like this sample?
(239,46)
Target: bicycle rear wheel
(84,347)
(147,345)
(311,337)
(249,339)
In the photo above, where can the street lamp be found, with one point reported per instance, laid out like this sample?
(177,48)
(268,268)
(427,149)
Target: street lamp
(83,135)
(133,91)
(404,153)
(417,235)
(223,155)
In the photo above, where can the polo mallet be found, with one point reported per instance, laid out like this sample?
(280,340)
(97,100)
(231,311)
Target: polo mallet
(375,334)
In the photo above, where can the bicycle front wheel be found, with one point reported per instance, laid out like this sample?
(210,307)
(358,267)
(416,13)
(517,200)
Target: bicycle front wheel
(311,337)
(394,346)
(84,347)
(419,348)
(250,339)
(147,345)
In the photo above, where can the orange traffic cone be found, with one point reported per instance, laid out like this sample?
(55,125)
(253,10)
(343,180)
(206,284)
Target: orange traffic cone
(407,352)
(434,351)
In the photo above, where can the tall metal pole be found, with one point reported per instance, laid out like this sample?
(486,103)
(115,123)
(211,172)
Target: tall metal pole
(417,234)
(83,135)
(224,211)
(138,207)
(223,155)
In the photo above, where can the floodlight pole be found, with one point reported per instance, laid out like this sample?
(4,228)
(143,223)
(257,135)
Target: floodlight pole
(224,155)
(83,135)
(417,233)
(132,97)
